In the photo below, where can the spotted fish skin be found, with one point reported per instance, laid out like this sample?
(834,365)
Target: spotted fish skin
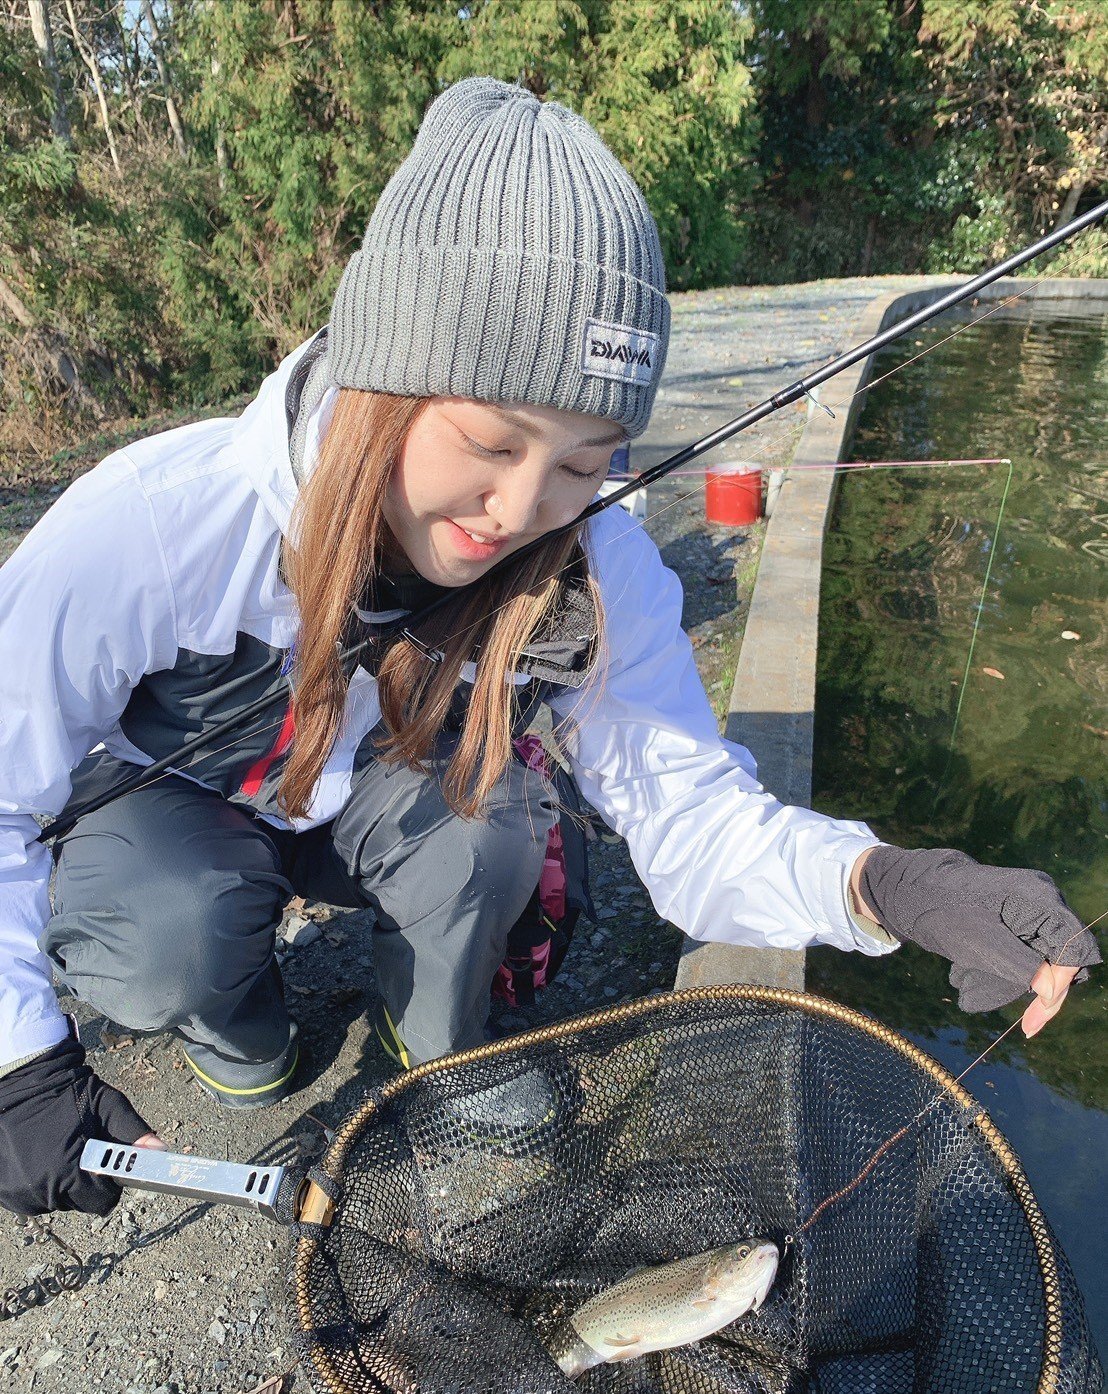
(669,1305)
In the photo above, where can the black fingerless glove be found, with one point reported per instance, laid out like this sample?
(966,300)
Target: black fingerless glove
(49,1108)
(996,924)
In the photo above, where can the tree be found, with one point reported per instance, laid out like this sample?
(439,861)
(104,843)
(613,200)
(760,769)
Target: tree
(44,39)
(163,72)
(855,180)
(1023,85)
(88,53)
(773,140)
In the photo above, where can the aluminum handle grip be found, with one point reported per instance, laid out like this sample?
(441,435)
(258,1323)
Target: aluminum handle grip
(269,1190)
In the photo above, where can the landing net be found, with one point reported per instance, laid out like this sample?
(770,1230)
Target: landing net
(679,1123)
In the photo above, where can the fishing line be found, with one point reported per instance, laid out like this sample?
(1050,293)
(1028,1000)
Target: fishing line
(825,1204)
(635,482)
(1000,305)
(973,638)
(803,465)
(754,458)
(800,389)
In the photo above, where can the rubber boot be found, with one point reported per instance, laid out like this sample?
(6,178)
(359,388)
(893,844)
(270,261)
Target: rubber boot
(244,1083)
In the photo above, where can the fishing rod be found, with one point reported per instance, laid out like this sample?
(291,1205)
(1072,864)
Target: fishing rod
(404,625)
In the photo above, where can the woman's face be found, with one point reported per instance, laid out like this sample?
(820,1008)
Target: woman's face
(476,481)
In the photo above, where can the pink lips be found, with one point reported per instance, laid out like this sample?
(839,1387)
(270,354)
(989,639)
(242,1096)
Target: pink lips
(470,548)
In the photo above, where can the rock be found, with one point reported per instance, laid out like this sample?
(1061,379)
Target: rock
(48,1358)
(299,932)
(218,1332)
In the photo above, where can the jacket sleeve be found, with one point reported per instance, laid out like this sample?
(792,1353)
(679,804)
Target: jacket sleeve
(722,858)
(85,610)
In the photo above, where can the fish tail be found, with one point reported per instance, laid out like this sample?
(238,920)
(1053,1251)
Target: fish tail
(571,1353)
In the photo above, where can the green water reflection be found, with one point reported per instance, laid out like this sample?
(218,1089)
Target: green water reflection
(1026,782)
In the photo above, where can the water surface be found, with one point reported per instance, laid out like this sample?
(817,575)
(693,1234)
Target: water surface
(1024,779)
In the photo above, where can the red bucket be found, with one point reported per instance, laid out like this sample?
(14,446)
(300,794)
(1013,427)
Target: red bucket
(733,494)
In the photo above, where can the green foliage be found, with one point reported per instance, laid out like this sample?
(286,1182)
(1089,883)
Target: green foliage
(812,41)
(1023,86)
(974,240)
(773,139)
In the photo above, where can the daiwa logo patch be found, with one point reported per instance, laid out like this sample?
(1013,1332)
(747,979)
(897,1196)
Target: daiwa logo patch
(618,351)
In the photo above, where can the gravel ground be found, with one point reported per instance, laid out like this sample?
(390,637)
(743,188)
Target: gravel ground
(186,1299)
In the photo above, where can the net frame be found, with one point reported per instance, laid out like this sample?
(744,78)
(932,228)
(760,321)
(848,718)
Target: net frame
(331,1168)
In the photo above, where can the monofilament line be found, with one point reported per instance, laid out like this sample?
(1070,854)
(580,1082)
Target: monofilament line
(907,1128)
(973,637)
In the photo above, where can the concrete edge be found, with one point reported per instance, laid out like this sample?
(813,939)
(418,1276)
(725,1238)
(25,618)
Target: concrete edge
(772,707)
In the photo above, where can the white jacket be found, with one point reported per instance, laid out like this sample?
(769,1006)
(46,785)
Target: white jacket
(154,580)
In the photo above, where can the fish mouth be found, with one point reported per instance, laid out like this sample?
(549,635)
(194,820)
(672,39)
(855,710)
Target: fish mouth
(764,1260)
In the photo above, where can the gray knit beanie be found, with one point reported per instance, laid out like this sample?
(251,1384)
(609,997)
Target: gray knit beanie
(510,258)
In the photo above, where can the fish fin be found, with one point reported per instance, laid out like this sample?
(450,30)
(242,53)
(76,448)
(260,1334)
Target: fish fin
(704,1301)
(617,1338)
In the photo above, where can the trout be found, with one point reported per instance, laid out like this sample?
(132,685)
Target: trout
(662,1307)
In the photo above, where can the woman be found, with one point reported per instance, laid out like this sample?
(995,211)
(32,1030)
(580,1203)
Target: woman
(497,338)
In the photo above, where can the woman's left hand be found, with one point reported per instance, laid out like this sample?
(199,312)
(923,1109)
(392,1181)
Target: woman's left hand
(1004,929)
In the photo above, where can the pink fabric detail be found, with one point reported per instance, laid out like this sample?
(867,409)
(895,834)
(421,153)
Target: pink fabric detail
(257,772)
(552,879)
(504,986)
(540,962)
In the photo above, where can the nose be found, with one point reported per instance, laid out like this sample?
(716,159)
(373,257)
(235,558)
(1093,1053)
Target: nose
(517,501)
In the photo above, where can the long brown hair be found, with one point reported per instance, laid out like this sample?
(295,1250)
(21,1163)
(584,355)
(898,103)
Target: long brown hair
(339,538)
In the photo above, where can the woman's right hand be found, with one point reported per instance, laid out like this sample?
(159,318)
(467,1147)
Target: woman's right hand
(49,1109)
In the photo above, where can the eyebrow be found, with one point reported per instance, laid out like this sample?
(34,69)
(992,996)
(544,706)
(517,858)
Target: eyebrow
(519,421)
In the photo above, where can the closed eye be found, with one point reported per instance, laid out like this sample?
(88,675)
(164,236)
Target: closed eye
(482,450)
(617,460)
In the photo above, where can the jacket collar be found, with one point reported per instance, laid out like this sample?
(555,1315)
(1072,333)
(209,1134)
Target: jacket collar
(262,435)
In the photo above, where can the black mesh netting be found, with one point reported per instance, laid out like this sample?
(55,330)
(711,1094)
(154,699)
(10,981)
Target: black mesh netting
(679,1124)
